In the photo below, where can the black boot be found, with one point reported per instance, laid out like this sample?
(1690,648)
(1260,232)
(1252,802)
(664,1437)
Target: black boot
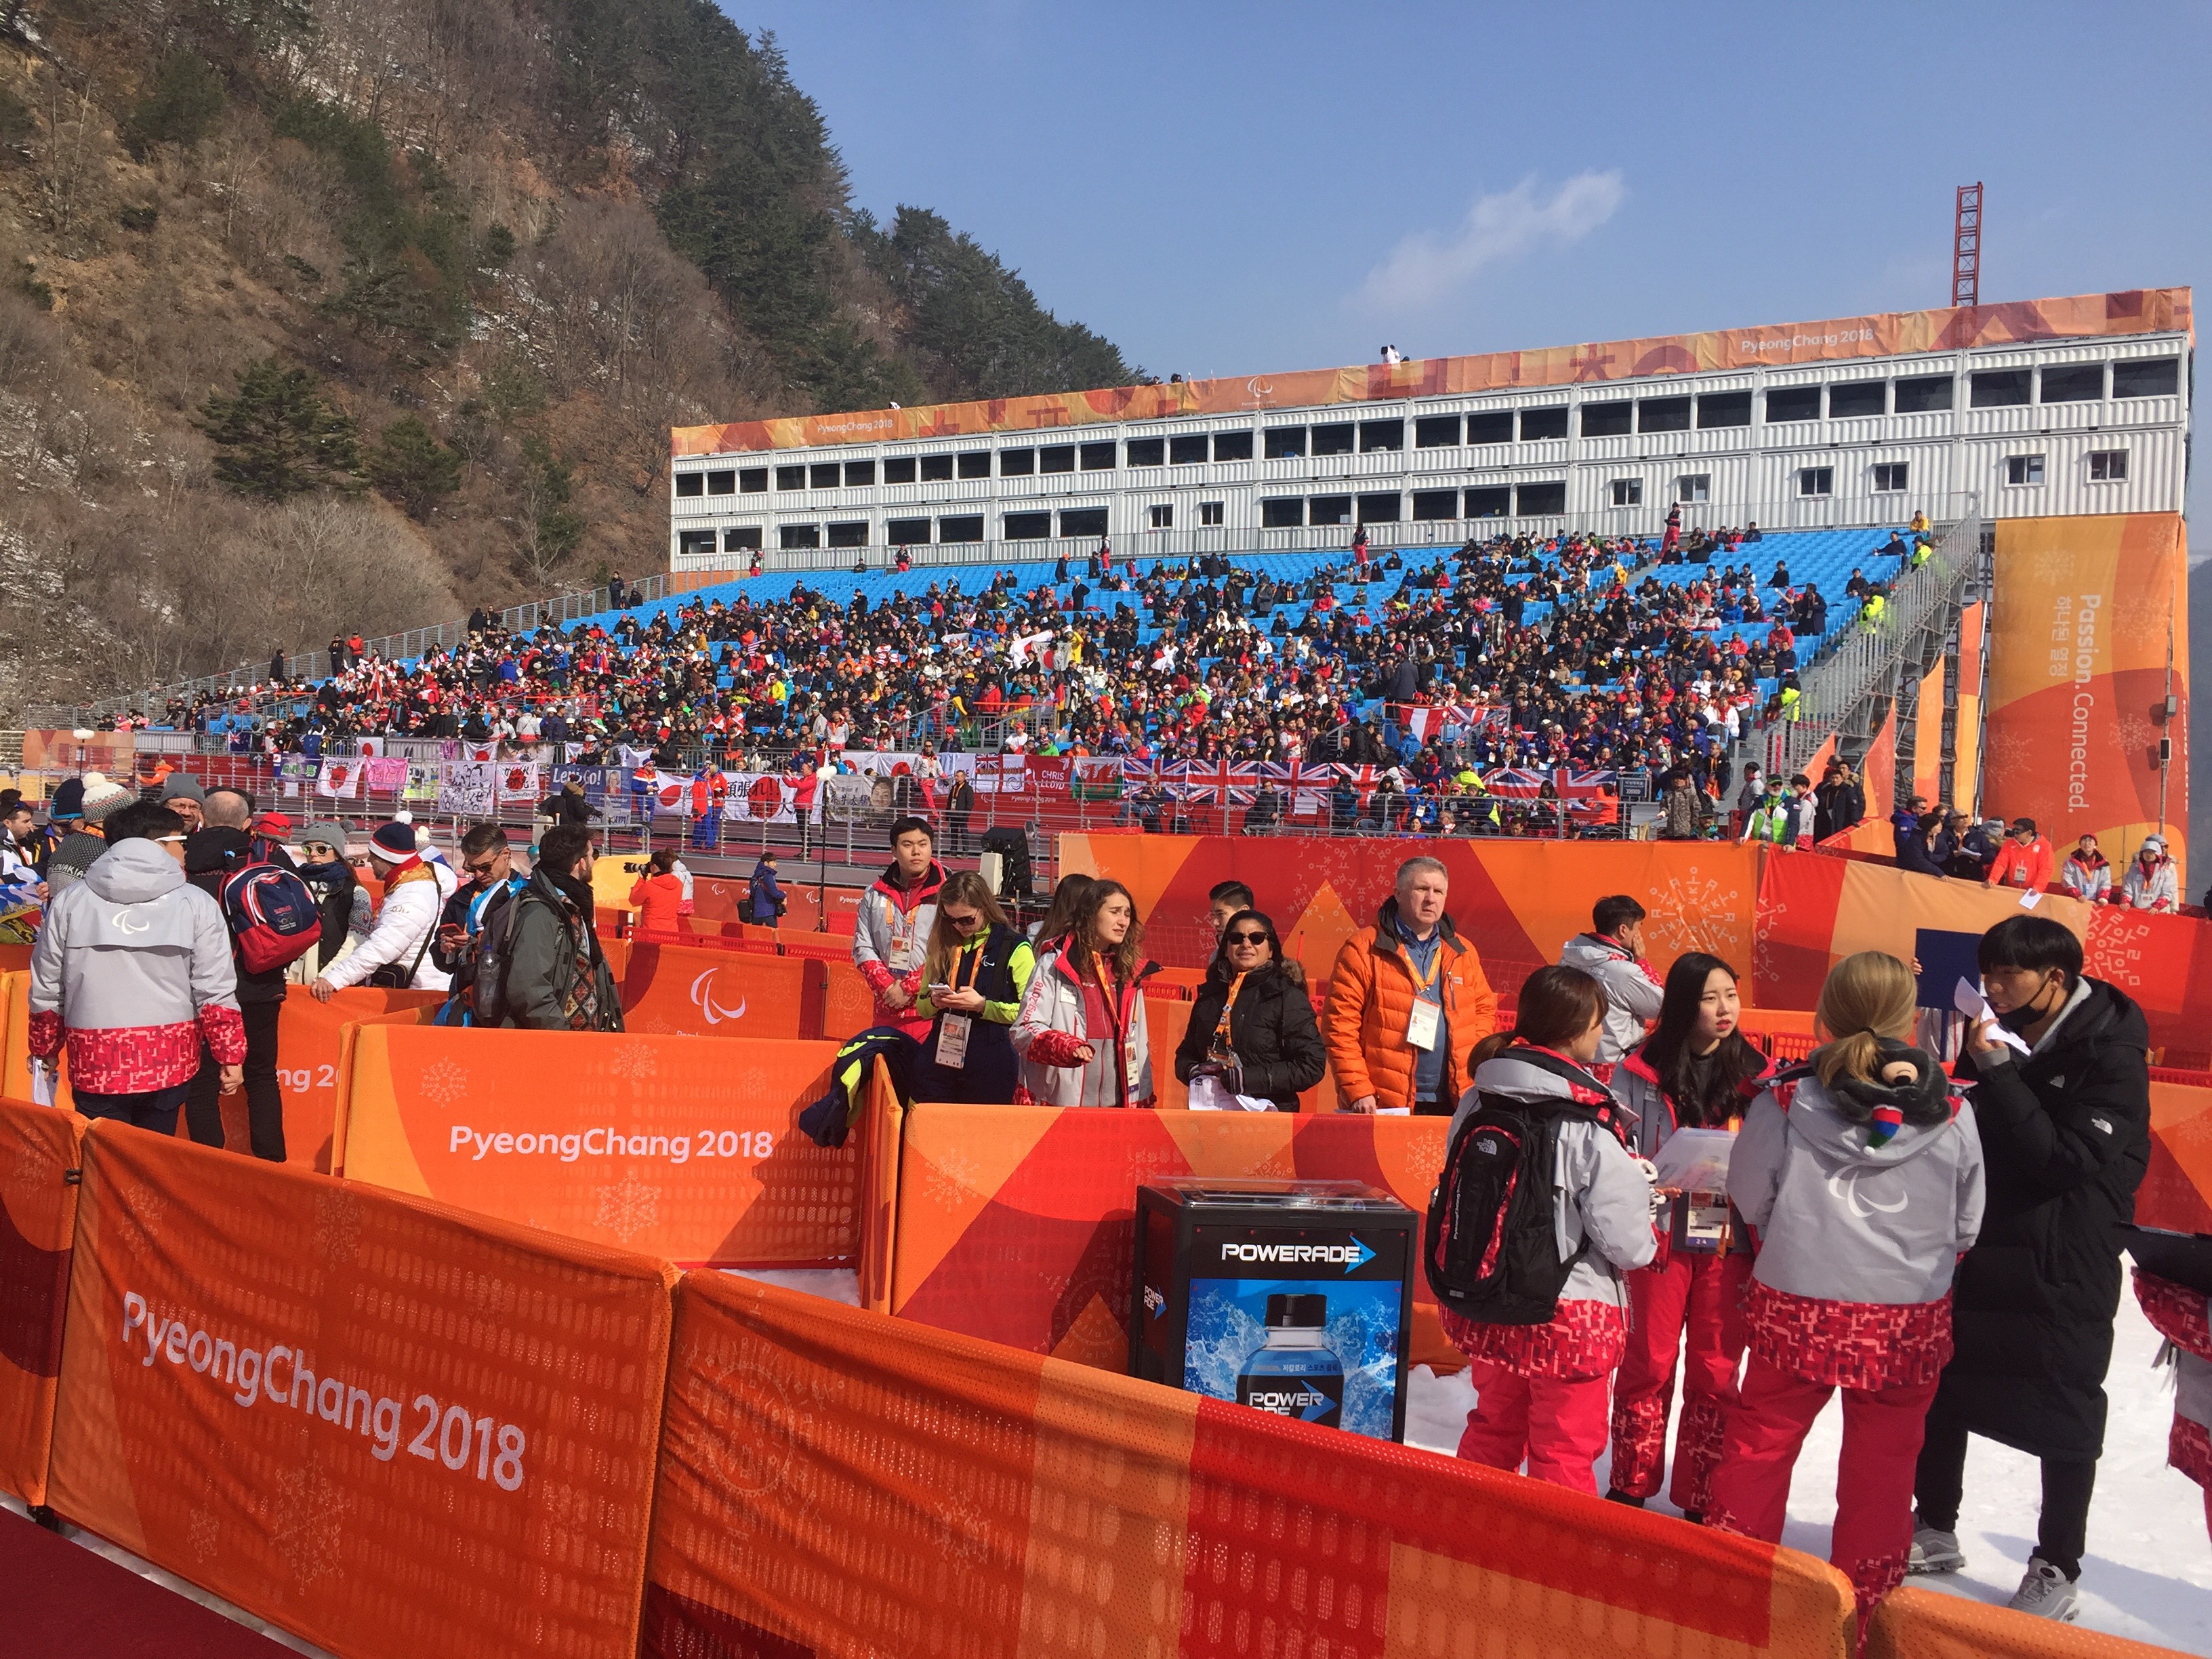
(1616,1495)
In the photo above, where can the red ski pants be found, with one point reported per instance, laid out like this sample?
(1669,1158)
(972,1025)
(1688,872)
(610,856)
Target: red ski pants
(1699,1298)
(1554,1423)
(1882,1432)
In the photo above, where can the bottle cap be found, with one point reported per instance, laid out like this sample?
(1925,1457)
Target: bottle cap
(1307,1312)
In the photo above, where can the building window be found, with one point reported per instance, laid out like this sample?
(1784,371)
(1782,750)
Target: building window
(1493,426)
(1607,420)
(904,533)
(975,463)
(1016,463)
(1724,409)
(1491,501)
(1281,512)
(1429,504)
(1924,394)
(1333,439)
(899,471)
(791,477)
(1537,424)
(1161,516)
(853,534)
(1999,388)
(1381,435)
(1851,400)
(2108,465)
(1794,403)
(690,483)
(824,475)
(2150,377)
(1662,415)
(745,540)
(1539,500)
(1381,509)
(2023,469)
(1028,526)
(1283,443)
(753,480)
(936,469)
(798,535)
(1330,509)
(1209,515)
(1890,476)
(1628,492)
(1098,457)
(1148,452)
(2074,383)
(1436,432)
(1084,521)
(859,475)
(1187,451)
(1816,481)
(1232,445)
(696,544)
(1694,487)
(961,527)
(722,483)
(1056,458)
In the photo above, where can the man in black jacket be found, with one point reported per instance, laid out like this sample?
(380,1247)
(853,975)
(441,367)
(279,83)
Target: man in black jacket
(2066,1131)
(213,854)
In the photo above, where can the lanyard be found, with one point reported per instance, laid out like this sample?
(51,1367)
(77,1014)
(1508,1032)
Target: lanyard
(1427,982)
(1108,993)
(1221,1032)
(972,959)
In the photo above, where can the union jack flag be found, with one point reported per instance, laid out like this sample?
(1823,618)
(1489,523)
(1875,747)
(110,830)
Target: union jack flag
(1363,778)
(1306,785)
(1213,781)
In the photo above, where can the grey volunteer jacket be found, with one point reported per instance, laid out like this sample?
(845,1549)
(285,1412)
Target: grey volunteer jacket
(133,945)
(1631,995)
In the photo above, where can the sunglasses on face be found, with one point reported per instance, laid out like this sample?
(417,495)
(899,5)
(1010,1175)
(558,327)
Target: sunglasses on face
(1251,939)
(963,923)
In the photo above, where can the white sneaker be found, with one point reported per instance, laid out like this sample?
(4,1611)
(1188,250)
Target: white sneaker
(1935,1552)
(2047,1593)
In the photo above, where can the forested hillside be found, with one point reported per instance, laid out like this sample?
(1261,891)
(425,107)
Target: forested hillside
(324,313)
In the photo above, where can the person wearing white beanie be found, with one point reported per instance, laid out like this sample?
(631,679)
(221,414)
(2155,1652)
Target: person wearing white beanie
(396,952)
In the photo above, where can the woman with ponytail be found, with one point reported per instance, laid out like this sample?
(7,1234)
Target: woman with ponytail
(1862,1176)
(1697,1071)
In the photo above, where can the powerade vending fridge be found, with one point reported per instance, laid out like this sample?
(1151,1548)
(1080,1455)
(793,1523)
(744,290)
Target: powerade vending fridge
(1292,1297)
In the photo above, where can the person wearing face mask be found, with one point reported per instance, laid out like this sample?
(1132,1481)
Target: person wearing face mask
(1082,1034)
(975,971)
(1252,1024)
(2065,1129)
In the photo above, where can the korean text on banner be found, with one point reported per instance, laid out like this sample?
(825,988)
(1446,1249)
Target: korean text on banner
(38,1219)
(391,1427)
(689,1147)
(833,1483)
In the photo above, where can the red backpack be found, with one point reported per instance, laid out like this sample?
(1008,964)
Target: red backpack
(274,919)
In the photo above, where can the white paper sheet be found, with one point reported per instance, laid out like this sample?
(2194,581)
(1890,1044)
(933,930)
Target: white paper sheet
(1966,997)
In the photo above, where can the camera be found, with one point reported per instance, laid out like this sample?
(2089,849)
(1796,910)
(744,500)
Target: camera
(634,867)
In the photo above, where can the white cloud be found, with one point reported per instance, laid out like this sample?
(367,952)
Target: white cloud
(1426,267)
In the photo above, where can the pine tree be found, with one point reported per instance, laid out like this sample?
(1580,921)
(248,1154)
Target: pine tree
(278,435)
(411,466)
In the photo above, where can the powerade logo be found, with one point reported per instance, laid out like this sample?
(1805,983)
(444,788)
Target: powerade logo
(1350,1257)
(1289,1403)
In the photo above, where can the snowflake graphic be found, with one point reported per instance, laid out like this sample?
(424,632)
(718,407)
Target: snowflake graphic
(306,1526)
(1691,912)
(35,1164)
(2007,754)
(949,1177)
(628,1207)
(2138,737)
(2053,565)
(149,1209)
(205,1535)
(338,1225)
(444,1083)
(634,1061)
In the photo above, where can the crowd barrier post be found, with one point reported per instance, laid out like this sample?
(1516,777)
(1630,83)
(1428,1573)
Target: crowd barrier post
(39,1162)
(395,1429)
(16,1043)
(1912,1623)
(830,1483)
(885,1130)
(686,1146)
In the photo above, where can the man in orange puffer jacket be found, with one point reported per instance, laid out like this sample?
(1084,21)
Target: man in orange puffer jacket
(1406,1003)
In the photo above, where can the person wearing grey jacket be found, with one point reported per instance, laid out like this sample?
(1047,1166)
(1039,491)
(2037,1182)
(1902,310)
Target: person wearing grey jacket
(131,967)
(1612,953)
(1862,1176)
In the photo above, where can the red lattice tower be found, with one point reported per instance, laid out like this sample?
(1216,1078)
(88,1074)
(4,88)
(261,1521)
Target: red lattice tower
(1967,248)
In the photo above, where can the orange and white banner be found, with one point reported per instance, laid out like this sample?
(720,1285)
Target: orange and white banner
(392,1427)
(701,990)
(38,1160)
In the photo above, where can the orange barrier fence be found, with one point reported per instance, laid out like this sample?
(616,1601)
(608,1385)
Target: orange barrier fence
(682,989)
(687,1147)
(833,1484)
(1920,1624)
(984,1187)
(2177,1189)
(392,1427)
(15,1041)
(14,959)
(39,1155)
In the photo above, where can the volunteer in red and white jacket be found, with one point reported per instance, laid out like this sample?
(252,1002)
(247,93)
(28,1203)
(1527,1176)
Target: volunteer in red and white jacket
(1697,1071)
(416,889)
(2183,1318)
(1540,1390)
(1862,1176)
(891,931)
(1612,953)
(1082,1034)
(131,967)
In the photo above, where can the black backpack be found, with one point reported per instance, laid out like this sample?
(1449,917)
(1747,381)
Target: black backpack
(1492,1248)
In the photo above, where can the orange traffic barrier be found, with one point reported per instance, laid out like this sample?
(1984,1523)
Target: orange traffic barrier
(39,1157)
(831,1483)
(16,1042)
(686,1146)
(681,988)
(391,1427)
(1920,1624)
(1056,1190)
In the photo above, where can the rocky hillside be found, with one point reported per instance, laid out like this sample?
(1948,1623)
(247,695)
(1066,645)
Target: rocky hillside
(324,313)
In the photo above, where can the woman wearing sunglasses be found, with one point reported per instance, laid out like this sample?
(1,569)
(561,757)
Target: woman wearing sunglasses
(976,970)
(1252,1024)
